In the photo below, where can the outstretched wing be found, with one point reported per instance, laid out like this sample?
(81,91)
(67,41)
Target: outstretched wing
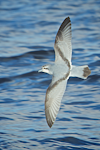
(53,98)
(62,44)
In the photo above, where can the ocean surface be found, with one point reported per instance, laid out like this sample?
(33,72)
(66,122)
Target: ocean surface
(27,34)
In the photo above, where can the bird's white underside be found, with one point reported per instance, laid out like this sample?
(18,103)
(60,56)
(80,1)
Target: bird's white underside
(61,71)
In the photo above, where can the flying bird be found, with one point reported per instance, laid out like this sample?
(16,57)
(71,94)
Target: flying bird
(61,70)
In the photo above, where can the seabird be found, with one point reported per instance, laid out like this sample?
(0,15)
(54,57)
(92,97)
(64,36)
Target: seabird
(61,70)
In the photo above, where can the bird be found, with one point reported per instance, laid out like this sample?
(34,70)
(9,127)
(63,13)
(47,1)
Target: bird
(61,70)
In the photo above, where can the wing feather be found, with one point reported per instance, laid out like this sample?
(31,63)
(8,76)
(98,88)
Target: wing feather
(63,41)
(53,98)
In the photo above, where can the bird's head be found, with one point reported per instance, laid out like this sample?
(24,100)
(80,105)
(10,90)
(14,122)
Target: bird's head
(46,69)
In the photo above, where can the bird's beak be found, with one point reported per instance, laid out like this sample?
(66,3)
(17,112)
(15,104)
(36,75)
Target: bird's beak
(40,70)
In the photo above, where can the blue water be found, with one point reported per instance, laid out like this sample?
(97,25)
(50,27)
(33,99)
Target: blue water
(27,33)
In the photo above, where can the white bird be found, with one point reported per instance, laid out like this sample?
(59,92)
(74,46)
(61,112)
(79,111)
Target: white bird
(61,70)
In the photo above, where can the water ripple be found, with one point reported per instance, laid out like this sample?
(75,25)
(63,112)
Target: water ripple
(27,34)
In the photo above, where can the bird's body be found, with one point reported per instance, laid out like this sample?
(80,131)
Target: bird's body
(61,70)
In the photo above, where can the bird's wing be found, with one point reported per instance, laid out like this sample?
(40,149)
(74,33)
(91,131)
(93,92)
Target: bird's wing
(62,46)
(53,98)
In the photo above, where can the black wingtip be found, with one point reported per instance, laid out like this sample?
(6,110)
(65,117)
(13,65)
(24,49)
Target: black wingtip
(64,23)
(50,123)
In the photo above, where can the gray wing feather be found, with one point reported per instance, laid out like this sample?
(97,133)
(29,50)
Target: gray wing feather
(53,98)
(63,41)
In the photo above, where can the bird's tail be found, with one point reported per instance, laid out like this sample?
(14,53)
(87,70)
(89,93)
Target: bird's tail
(80,71)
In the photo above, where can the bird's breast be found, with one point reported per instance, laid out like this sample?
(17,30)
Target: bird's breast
(61,69)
